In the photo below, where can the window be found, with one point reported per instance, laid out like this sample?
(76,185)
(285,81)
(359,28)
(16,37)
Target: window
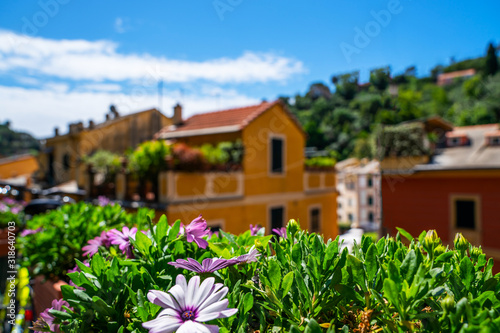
(465,213)
(370,181)
(315,214)
(350,217)
(276,155)
(495,141)
(370,200)
(277,215)
(370,217)
(66,161)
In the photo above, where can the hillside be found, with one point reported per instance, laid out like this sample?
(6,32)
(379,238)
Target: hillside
(342,121)
(14,143)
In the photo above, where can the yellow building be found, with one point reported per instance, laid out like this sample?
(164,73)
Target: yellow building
(18,169)
(272,185)
(60,160)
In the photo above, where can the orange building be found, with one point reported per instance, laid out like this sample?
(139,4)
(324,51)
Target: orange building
(457,190)
(61,158)
(272,185)
(18,169)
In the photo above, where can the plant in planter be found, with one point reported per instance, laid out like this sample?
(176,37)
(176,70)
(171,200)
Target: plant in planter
(297,283)
(320,163)
(187,158)
(104,165)
(148,160)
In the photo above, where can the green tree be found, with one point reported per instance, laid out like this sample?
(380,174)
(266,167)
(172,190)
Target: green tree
(346,84)
(380,77)
(491,60)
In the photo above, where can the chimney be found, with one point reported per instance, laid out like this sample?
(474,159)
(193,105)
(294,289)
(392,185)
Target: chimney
(107,116)
(56,131)
(177,118)
(91,124)
(114,111)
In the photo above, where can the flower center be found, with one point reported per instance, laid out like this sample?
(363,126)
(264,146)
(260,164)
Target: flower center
(188,315)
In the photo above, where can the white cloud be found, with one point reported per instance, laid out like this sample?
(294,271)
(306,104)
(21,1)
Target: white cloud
(38,111)
(103,87)
(99,61)
(119,25)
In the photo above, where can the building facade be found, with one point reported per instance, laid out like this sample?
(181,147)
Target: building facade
(358,186)
(457,190)
(60,160)
(272,185)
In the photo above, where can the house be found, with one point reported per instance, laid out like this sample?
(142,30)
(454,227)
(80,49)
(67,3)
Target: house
(358,186)
(272,185)
(18,169)
(61,156)
(448,78)
(455,190)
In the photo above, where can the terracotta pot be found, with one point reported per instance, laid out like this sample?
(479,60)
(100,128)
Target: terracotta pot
(44,292)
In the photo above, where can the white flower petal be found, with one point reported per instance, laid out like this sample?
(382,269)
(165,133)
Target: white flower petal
(215,297)
(192,288)
(169,313)
(162,299)
(181,281)
(179,294)
(228,313)
(162,325)
(212,311)
(194,327)
(203,291)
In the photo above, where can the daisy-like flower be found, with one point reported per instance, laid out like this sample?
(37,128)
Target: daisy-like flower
(122,239)
(103,201)
(254,229)
(93,244)
(188,305)
(208,265)
(195,232)
(49,319)
(251,256)
(280,232)
(27,232)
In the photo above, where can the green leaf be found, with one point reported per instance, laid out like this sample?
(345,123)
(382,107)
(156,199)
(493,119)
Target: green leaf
(294,329)
(287,283)
(405,233)
(102,307)
(371,263)
(391,292)
(247,303)
(274,274)
(161,229)
(174,230)
(143,243)
(358,271)
(313,327)
(467,271)
(60,314)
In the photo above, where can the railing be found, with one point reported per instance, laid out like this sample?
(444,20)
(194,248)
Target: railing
(178,187)
(319,181)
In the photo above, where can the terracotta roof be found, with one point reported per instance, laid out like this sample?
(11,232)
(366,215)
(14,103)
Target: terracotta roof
(225,121)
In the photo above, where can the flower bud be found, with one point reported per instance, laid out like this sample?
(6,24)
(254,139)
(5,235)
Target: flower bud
(448,303)
(475,253)
(293,226)
(460,242)
(440,249)
(431,240)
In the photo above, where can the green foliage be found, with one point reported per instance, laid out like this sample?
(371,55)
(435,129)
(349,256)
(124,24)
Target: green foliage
(149,159)
(11,211)
(401,140)
(380,77)
(15,143)
(491,66)
(346,84)
(104,162)
(320,162)
(223,154)
(299,284)
(65,231)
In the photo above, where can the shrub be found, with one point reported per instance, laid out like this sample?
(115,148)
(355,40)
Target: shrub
(402,140)
(10,211)
(56,238)
(320,162)
(298,283)
(104,162)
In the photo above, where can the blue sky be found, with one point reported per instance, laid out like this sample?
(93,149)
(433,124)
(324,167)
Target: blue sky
(81,56)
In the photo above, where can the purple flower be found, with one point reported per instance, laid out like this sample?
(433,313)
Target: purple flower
(27,232)
(122,239)
(208,265)
(187,306)
(280,232)
(103,201)
(49,319)
(16,209)
(195,232)
(106,242)
(251,256)
(211,233)
(254,229)
(92,247)
(3,207)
